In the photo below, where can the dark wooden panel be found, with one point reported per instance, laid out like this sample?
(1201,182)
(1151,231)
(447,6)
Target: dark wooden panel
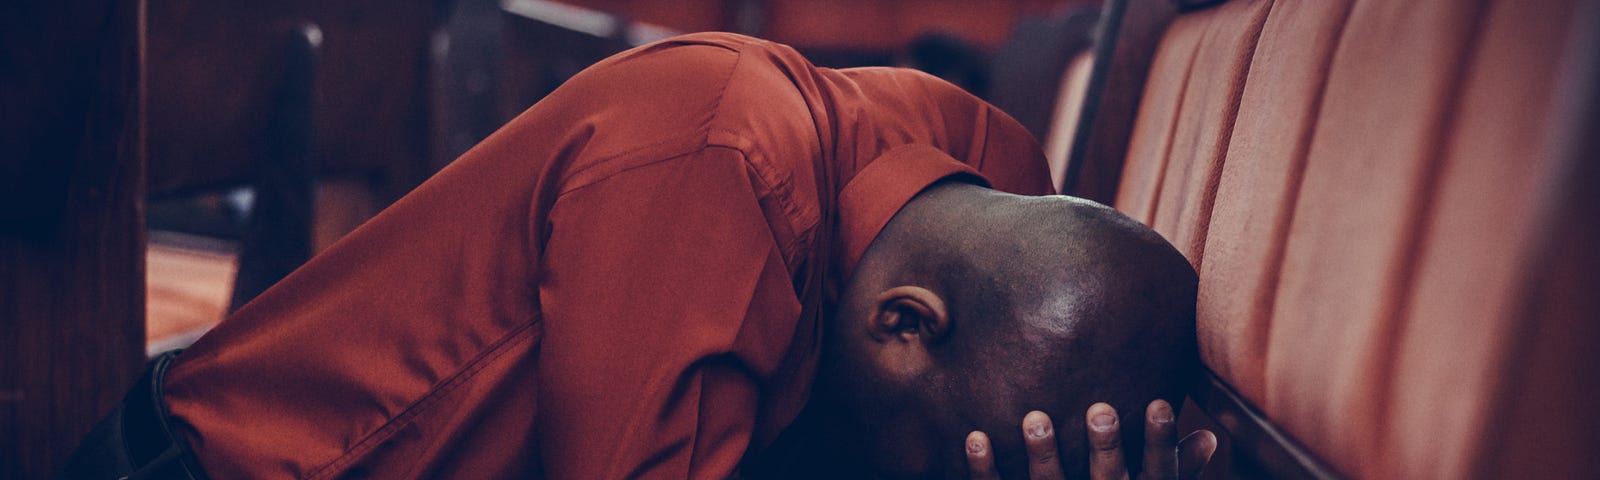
(681,15)
(278,237)
(539,51)
(214,70)
(462,87)
(1129,33)
(1028,67)
(71,241)
(890,25)
(1260,449)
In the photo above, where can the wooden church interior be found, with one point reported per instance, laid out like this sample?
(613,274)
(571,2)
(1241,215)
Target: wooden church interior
(1391,205)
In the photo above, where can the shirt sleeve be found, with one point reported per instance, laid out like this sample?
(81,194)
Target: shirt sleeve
(666,302)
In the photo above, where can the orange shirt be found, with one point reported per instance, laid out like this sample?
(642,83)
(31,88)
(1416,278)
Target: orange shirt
(626,280)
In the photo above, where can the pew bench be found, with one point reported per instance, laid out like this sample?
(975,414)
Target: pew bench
(1392,209)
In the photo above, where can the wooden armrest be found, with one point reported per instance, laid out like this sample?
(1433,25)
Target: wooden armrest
(1260,448)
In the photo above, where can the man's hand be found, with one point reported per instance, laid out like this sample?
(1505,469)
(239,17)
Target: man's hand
(1164,456)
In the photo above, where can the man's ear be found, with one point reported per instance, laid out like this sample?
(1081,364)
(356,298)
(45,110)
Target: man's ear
(909,314)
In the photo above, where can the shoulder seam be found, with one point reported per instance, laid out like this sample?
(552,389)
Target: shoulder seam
(716,107)
(704,132)
(663,158)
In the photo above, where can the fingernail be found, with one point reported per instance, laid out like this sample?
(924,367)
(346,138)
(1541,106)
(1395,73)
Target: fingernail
(1038,429)
(1103,422)
(974,446)
(1162,416)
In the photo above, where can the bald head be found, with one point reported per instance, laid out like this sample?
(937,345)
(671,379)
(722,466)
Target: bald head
(973,307)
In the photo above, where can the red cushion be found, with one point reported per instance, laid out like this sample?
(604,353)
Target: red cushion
(1356,182)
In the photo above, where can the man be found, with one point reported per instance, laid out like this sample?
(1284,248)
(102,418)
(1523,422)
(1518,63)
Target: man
(973,307)
(631,279)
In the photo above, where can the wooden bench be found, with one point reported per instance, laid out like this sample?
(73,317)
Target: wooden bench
(71,230)
(1392,207)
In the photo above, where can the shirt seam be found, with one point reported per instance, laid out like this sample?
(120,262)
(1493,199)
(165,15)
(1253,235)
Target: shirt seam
(664,158)
(786,202)
(790,209)
(673,153)
(704,141)
(988,127)
(423,404)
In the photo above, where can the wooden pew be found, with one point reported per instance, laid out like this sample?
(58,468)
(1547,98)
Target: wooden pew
(214,73)
(71,230)
(1392,214)
(237,100)
(87,78)
(545,43)
(491,60)
(1128,31)
(1040,77)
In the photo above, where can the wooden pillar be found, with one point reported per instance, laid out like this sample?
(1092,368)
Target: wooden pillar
(1129,32)
(71,222)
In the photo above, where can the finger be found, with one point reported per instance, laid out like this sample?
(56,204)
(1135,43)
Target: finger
(1194,452)
(980,457)
(1105,444)
(1040,436)
(1160,442)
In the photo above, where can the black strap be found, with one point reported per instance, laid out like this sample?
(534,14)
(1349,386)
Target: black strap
(136,441)
(156,450)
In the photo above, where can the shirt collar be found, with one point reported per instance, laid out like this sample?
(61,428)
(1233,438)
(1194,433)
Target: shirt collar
(885,185)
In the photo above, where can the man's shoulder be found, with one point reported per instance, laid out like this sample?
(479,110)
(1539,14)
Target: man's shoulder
(705,53)
(675,98)
(677,89)
(724,40)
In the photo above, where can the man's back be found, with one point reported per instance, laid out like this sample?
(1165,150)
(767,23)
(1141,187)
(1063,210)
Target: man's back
(623,281)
